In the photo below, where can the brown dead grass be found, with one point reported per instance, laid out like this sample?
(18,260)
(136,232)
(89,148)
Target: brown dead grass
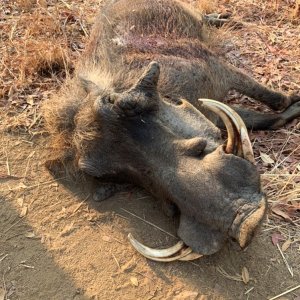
(206,6)
(39,40)
(267,47)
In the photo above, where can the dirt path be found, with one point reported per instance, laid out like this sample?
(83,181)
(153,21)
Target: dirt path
(65,246)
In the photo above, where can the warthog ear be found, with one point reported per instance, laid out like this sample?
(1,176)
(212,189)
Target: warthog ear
(89,86)
(149,79)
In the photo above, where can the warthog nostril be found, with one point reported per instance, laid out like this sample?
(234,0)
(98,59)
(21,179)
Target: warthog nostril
(179,102)
(246,221)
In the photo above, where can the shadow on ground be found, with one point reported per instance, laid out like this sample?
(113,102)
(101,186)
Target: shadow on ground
(80,248)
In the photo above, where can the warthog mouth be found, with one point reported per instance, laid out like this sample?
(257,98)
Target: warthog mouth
(246,220)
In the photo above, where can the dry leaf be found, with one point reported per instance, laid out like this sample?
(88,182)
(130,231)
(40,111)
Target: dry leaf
(106,238)
(286,245)
(68,229)
(276,210)
(30,235)
(43,3)
(24,211)
(276,237)
(30,100)
(20,201)
(134,281)
(287,211)
(188,295)
(22,186)
(2,294)
(266,158)
(293,210)
(245,275)
(31,154)
(129,266)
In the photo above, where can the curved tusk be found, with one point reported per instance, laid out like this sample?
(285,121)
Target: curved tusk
(244,144)
(232,135)
(191,256)
(181,253)
(158,253)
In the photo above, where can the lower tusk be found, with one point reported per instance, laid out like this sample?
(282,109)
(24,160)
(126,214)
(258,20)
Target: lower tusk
(146,251)
(244,146)
(191,256)
(177,252)
(183,253)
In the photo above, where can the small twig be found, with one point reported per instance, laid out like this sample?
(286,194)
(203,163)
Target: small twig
(231,277)
(285,261)
(117,240)
(28,142)
(66,4)
(277,165)
(142,275)
(286,292)
(12,31)
(79,205)
(33,186)
(2,258)
(248,291)
(111,236)
(7,164)
(147,222)
(116,261)
(4,285)
(9,228)
(83,29)
(27,164)
(13,236)
(286,184)
(123,217)
(27,266)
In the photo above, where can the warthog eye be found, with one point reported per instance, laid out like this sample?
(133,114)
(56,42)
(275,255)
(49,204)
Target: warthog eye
(109,98)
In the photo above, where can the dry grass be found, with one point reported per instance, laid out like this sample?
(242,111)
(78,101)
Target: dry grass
(267,47)
(41,41)
(206,6)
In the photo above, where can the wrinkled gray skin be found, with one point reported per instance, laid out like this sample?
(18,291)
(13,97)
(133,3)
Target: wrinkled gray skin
(125,122)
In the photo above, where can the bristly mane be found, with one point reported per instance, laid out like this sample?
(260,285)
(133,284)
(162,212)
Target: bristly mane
(147,29)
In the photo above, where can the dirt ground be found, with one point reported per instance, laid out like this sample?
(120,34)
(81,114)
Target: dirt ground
(57,243)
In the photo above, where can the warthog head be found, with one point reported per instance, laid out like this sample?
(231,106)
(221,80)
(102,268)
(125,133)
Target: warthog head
(168,147)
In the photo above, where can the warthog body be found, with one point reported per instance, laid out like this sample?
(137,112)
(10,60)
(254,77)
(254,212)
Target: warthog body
(122,119)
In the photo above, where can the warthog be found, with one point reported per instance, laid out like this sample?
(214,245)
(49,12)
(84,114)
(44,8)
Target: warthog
(131,114)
